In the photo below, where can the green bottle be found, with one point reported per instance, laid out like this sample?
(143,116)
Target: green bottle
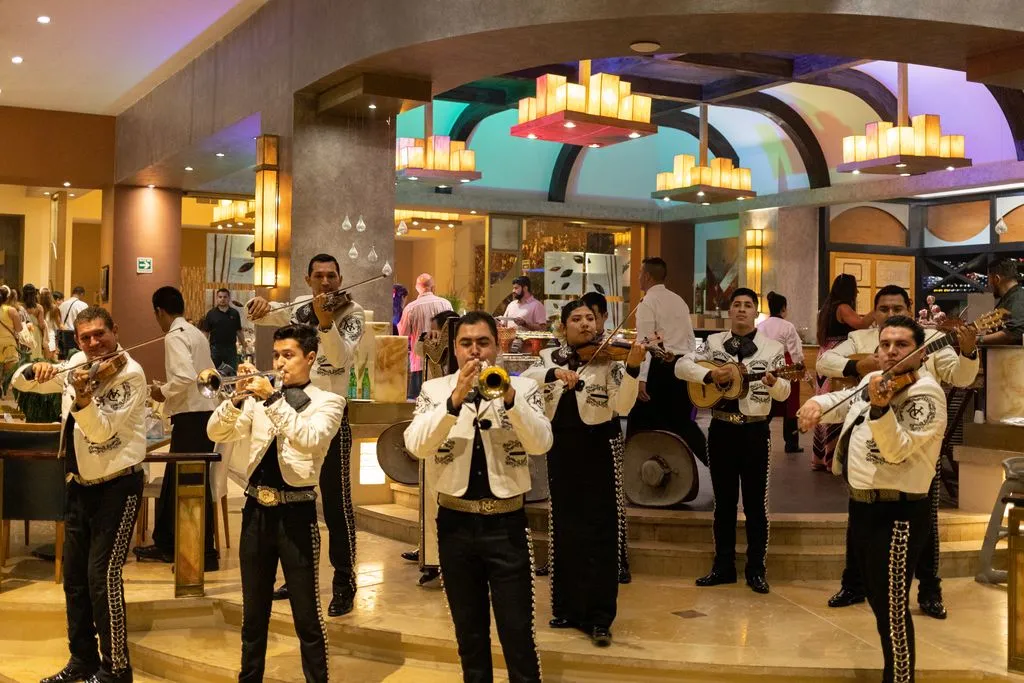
(365,384)
(352,386)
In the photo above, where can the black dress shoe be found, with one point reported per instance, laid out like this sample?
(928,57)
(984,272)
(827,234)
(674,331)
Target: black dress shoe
(625,576)
(716,577)
(794,449)
(411,555)
(340,605)
(152,553)
(758,584)
(542,570)
(211,564)
(933,608)
(845,598)
(281,593)
(601,636)
(429,575)
(72,673)
(559,622)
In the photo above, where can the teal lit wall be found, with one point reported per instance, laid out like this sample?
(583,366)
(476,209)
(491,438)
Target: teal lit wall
(511,163)
(410,123)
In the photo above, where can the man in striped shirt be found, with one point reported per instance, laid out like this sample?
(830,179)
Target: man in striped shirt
(416,320)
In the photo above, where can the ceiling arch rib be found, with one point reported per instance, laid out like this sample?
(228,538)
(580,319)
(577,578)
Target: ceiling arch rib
(471,117)
(1011,102)
(862,85)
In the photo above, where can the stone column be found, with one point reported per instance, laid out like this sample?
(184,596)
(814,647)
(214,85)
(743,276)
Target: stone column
(140,222)
(60,237)
(343,166)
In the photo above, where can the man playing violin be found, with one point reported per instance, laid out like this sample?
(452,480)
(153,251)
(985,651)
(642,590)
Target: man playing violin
(893,424)
(855,358)
(739,440)
(102,445)
(339,322)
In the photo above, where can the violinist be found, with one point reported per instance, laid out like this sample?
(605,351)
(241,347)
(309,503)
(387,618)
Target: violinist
(102,445)
(584,401)
(339,331)
(892,433)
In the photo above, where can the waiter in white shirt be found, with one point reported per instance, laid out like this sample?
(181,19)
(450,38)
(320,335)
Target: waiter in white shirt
(480,448)
(891,438)
(415,321)
(69,310)
(525,312)
(186,354)
(663,402)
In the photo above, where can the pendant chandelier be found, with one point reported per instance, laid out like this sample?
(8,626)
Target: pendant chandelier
(414,219)
(891,149)
(598,111)
(703,183)
(434,158)
(234,214)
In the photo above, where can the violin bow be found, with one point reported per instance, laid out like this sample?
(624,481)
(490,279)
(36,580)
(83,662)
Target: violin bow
(608,338)
(292,304)
(112,354)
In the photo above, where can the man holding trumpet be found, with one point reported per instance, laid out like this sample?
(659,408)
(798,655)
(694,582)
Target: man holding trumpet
(339,329)
(479,426)
(289,431)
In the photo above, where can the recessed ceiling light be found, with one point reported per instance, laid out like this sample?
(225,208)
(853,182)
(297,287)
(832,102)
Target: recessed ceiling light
(740,199)
(229,225)
(665,199)
(220,154)
(43,19)
(372,106)
(415,222)
(451,225)
(473,211)
(634,135)
(901,165)
(569,124)
(593,145)
(189,168)
(950,168)
(645,46)
(705,203)
(67,184)
(16,59)
(904,175)
(437,227)
(220,227)
(463,180)
(531,136)
(151,186)
(47,194)
(442,187)
(423,229)
(700,193)
(72,194)
(412,177)
(856,171)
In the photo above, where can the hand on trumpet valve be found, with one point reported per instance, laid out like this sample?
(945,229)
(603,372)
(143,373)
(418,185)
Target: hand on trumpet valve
(808,416)
(258,307)
(467,380)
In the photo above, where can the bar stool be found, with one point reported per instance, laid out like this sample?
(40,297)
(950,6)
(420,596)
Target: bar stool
(1013,484)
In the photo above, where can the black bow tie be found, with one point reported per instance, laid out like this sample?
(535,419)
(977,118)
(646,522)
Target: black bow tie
(741,346)
(297,398)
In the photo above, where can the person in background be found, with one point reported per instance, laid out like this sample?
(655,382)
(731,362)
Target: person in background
(781,330)
(10,328)
(69,310)
(525,311)
(36,321)
(836,319)
(415,321)
(1004,281)
(51,315)
(223,327)
(398,295)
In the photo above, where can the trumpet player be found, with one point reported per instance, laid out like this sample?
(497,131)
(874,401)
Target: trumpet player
(479,442)
(186,352)
(288,431)
(339,323)
(102,446)
(583,470)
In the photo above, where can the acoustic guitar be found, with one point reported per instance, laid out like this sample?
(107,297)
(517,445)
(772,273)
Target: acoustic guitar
(990,322)
(709,395)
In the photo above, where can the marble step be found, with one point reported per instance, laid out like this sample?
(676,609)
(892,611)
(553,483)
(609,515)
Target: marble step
(30,669)
(406,496)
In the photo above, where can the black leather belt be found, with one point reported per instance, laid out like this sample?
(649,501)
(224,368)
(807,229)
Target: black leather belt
(270,497)
(884,496)
(77,478)
(737,418)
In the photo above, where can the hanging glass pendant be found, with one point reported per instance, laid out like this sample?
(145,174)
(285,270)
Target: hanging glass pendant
(386,270)
(353,253)
(372,256)
(346,224)
(402,229)
(360,225)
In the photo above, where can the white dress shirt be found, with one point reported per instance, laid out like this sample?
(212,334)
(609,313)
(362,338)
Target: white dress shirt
(784,332)
(663,312)
(186,354)
(69,310)
(416,320)
(898,450)
(608,390)
(532,311)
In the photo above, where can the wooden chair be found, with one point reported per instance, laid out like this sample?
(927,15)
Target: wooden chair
(58,546)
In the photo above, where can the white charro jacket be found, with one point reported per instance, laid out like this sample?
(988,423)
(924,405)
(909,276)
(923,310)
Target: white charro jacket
(110,432)
(302,437)
(337,349)
(515,434)
(945,364)
(899,450)
(770,354)
(608,390)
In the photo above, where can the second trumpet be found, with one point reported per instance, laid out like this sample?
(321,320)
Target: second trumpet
(212,384)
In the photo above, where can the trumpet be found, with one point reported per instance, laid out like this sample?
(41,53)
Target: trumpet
(493,382)
(212,384)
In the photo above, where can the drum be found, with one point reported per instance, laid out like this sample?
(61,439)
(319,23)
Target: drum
(659,470)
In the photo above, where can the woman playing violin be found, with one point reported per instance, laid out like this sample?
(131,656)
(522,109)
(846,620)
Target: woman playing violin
(584,400)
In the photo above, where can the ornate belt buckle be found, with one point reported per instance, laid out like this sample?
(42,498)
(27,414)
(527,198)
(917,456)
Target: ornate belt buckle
(487,506)
(266,496)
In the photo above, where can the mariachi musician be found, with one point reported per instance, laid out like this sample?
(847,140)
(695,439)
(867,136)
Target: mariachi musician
(339,322)
(739,441)
(855,358)
(584,400)
(102,445)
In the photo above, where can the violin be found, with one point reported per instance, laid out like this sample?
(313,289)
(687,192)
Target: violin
(92,375)
(892,384)
(615,350)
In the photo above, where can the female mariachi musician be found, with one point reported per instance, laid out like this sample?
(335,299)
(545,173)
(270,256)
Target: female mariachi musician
(584,400)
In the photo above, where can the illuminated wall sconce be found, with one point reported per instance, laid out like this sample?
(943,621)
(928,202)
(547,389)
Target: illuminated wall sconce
(755,260)
(267,201)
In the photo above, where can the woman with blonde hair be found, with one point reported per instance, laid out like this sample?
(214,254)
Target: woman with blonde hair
(51,317)
(10,328)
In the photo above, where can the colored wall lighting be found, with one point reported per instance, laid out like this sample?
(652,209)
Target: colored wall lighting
(266,210)
(755,258)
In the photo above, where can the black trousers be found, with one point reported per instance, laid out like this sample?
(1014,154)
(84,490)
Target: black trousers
(889,538)
(929,585)
(97,530)
(669,409)
(790,432)
(584,524)
(336,495)
(485,557)
(288,533)
(226,356)
(740,462)
(188,436)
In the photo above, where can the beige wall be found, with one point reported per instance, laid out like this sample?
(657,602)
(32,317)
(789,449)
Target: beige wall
(85,266)
(36,238)
(448,255)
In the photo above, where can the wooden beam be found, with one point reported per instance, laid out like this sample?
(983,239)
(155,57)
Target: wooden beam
(1004,67)
(860,84)
(474,94)
(388,93)
(688,123)
(750,63)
